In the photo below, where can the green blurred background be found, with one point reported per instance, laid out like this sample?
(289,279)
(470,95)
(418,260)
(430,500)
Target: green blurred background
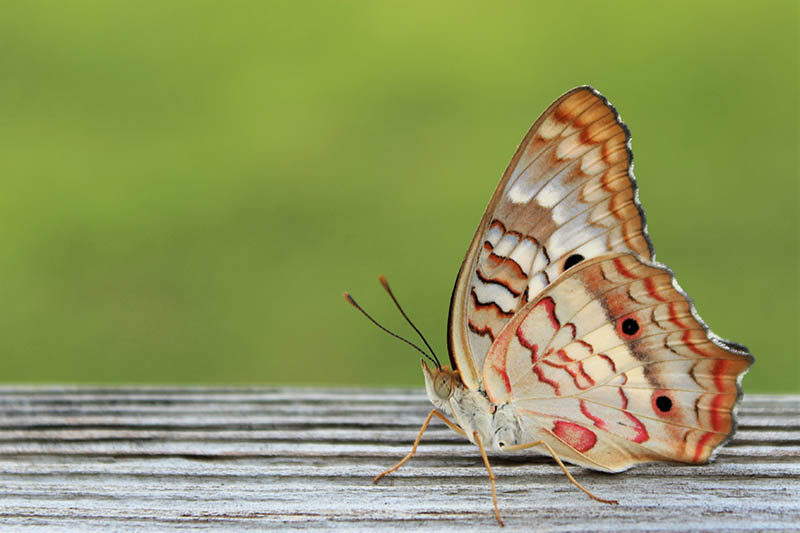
(188,187)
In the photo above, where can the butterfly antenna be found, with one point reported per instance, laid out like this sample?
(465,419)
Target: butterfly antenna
(385,284)
(395,335)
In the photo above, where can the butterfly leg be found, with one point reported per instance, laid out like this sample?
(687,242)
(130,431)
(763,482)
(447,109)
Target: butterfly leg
(436,413)
(564,468)
(491,477)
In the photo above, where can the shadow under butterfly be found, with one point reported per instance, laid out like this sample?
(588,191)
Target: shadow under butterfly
(565,336)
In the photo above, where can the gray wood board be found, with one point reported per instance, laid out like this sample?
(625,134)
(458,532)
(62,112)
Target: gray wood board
(165,458)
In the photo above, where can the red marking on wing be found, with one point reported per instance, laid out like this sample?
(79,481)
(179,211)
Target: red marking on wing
(585,375)
(583,343)
(673,317)
(700,445)
(599,422)
(716,409)
(687,340)
(573,373)
(540,374)
(624,398)
(641,431)
(622,270)
(611,362)
(499,364)
(719,371)
(506,382)
(650,285)
(496,359)
(564,357)
(579,437)
(550,308)
(533,347)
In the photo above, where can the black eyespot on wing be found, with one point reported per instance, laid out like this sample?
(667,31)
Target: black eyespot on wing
(663,403)
(630,327)
(572,260)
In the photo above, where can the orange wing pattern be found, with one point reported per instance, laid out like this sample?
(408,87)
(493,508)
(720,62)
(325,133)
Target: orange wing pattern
(567,195)
(613,367)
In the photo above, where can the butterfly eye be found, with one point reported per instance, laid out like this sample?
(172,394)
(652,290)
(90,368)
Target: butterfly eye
(443,385)
(663,403)
(572,260)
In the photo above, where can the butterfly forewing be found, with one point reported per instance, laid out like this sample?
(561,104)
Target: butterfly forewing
(614,365)
(568,195)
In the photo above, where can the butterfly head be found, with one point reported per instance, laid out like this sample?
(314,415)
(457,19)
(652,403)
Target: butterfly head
(440,383)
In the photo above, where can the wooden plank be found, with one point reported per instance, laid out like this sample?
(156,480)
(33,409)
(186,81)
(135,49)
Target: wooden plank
(165,458)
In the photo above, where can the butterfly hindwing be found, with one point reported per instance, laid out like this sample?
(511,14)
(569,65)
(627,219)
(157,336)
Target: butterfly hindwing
(614,367)
(568,195)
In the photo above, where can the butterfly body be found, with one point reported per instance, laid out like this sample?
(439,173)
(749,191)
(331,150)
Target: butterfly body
(496,426)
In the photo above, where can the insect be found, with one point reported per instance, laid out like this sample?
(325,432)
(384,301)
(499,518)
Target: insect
(564,335)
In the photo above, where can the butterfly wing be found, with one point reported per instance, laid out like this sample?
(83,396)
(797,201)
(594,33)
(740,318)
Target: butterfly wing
(613,367)
(568,195)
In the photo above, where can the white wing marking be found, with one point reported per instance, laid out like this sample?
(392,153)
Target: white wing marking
(506,245)
(523,254)
(492,292)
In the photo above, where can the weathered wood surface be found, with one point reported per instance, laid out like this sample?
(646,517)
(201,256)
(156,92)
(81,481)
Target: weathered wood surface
(267,458)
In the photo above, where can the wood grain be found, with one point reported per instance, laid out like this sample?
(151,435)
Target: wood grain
(162,458)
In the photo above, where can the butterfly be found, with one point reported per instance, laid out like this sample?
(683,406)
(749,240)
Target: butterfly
(565,335)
